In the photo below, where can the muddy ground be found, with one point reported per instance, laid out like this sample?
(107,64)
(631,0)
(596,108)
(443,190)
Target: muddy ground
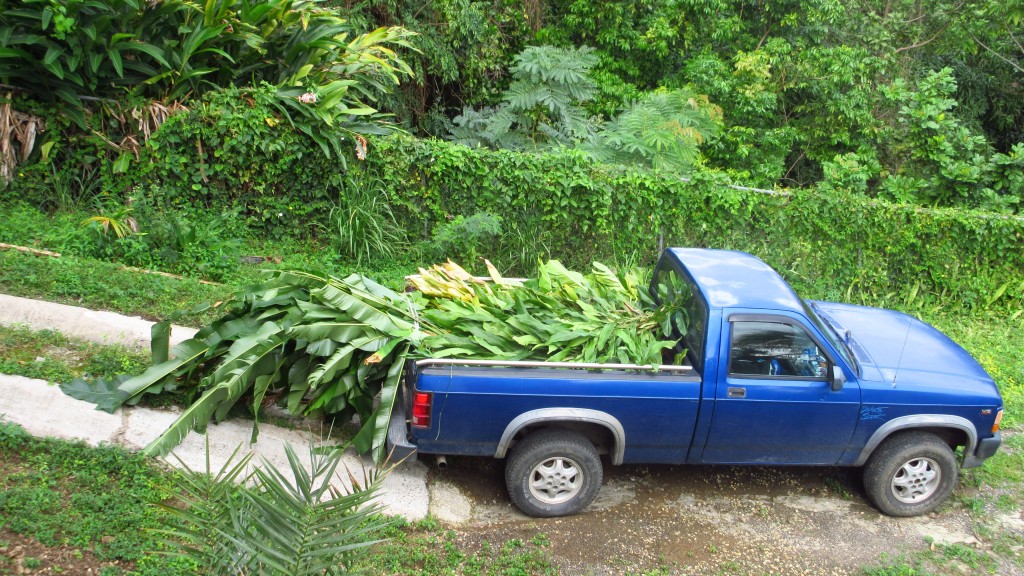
(725,520)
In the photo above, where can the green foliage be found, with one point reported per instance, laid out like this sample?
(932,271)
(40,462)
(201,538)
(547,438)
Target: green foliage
(263,521)
(559,316)
(202,248)
(101,285)
(362,222)
(171,242)
(831,244)
(752,144)
(663,131)
(636,41)
(67,50)
(318,346)
(1009,180)
(427,549)
(119,222)
(48,355)
(463,50)
(542,106)
(92,499)
(465,238)
(174,49)
(234,150)
(899,566)
(948,162)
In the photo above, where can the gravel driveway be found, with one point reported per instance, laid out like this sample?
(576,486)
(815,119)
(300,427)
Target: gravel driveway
(720,520)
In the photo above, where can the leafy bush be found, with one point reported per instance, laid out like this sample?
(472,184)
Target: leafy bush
(173,49)
(465,238)
(949,164)
(831,243)
(202,248)
(65,494)
(663,130)
(541,108)
(234,150)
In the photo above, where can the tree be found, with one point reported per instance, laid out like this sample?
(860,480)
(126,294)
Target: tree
(663,130)
(541,108)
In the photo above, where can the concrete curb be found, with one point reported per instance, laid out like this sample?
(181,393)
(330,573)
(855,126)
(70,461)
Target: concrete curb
(95,326)
(43,410)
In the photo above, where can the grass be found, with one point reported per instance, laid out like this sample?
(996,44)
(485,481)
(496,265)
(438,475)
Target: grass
(425,548)
(66,495)
(51,356)
(953,558)
(97,504)
(103,286)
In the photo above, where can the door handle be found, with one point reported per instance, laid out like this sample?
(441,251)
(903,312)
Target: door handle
(732,392)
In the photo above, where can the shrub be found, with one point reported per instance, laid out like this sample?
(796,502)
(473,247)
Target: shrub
(465,238)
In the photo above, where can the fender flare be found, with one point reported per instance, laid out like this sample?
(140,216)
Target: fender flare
(603,419)
(919,421)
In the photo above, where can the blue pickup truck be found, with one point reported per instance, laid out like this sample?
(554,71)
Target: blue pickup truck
(769,379)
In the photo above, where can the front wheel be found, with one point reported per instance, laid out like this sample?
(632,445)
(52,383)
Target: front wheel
(553,473)
(911,474)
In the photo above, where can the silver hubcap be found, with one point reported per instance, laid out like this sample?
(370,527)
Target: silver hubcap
(916,480)
(556,480)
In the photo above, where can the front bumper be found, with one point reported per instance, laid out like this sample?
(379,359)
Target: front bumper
(986,448)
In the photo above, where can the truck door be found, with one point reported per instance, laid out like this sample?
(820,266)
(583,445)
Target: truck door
(774,400)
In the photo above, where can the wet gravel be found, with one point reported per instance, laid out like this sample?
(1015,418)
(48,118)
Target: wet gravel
(712,520)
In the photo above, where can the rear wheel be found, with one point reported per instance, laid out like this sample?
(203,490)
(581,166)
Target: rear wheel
(911,474)
(553,473)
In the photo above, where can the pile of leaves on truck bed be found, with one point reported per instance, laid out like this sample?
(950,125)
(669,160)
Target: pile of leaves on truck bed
(318,345)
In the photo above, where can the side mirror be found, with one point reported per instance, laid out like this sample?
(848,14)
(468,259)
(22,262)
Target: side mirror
(838,378)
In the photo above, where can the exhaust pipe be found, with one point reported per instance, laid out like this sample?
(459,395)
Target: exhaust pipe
(442,462)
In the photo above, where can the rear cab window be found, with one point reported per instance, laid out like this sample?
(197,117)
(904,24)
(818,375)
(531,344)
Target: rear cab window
(672,287)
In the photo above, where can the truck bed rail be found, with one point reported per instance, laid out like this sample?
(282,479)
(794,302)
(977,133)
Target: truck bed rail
(537,364)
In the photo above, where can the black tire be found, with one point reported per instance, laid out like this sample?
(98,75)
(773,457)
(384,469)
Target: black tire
(553,473)
(911,474)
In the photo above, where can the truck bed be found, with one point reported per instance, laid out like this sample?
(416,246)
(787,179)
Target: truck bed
(477,408)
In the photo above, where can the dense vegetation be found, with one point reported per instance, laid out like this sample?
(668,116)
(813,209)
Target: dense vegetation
(896,100)
(247,123)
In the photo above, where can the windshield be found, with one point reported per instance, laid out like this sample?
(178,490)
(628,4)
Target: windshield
(832,335)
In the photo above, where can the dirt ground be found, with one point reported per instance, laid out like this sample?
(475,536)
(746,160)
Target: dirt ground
(716,520)
(24,555)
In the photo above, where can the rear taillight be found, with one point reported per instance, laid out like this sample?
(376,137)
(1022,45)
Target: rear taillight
(421,409)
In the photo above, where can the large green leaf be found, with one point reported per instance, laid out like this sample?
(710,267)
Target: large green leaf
(105,394)
(224,387)
(372,436)
(183,354)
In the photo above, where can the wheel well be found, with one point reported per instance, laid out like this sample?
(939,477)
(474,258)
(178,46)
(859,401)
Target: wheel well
(601,437)
(953,437)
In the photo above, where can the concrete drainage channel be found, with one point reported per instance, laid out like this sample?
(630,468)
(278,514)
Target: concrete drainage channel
(43,410)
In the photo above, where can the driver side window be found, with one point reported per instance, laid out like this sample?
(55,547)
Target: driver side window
(774,349)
